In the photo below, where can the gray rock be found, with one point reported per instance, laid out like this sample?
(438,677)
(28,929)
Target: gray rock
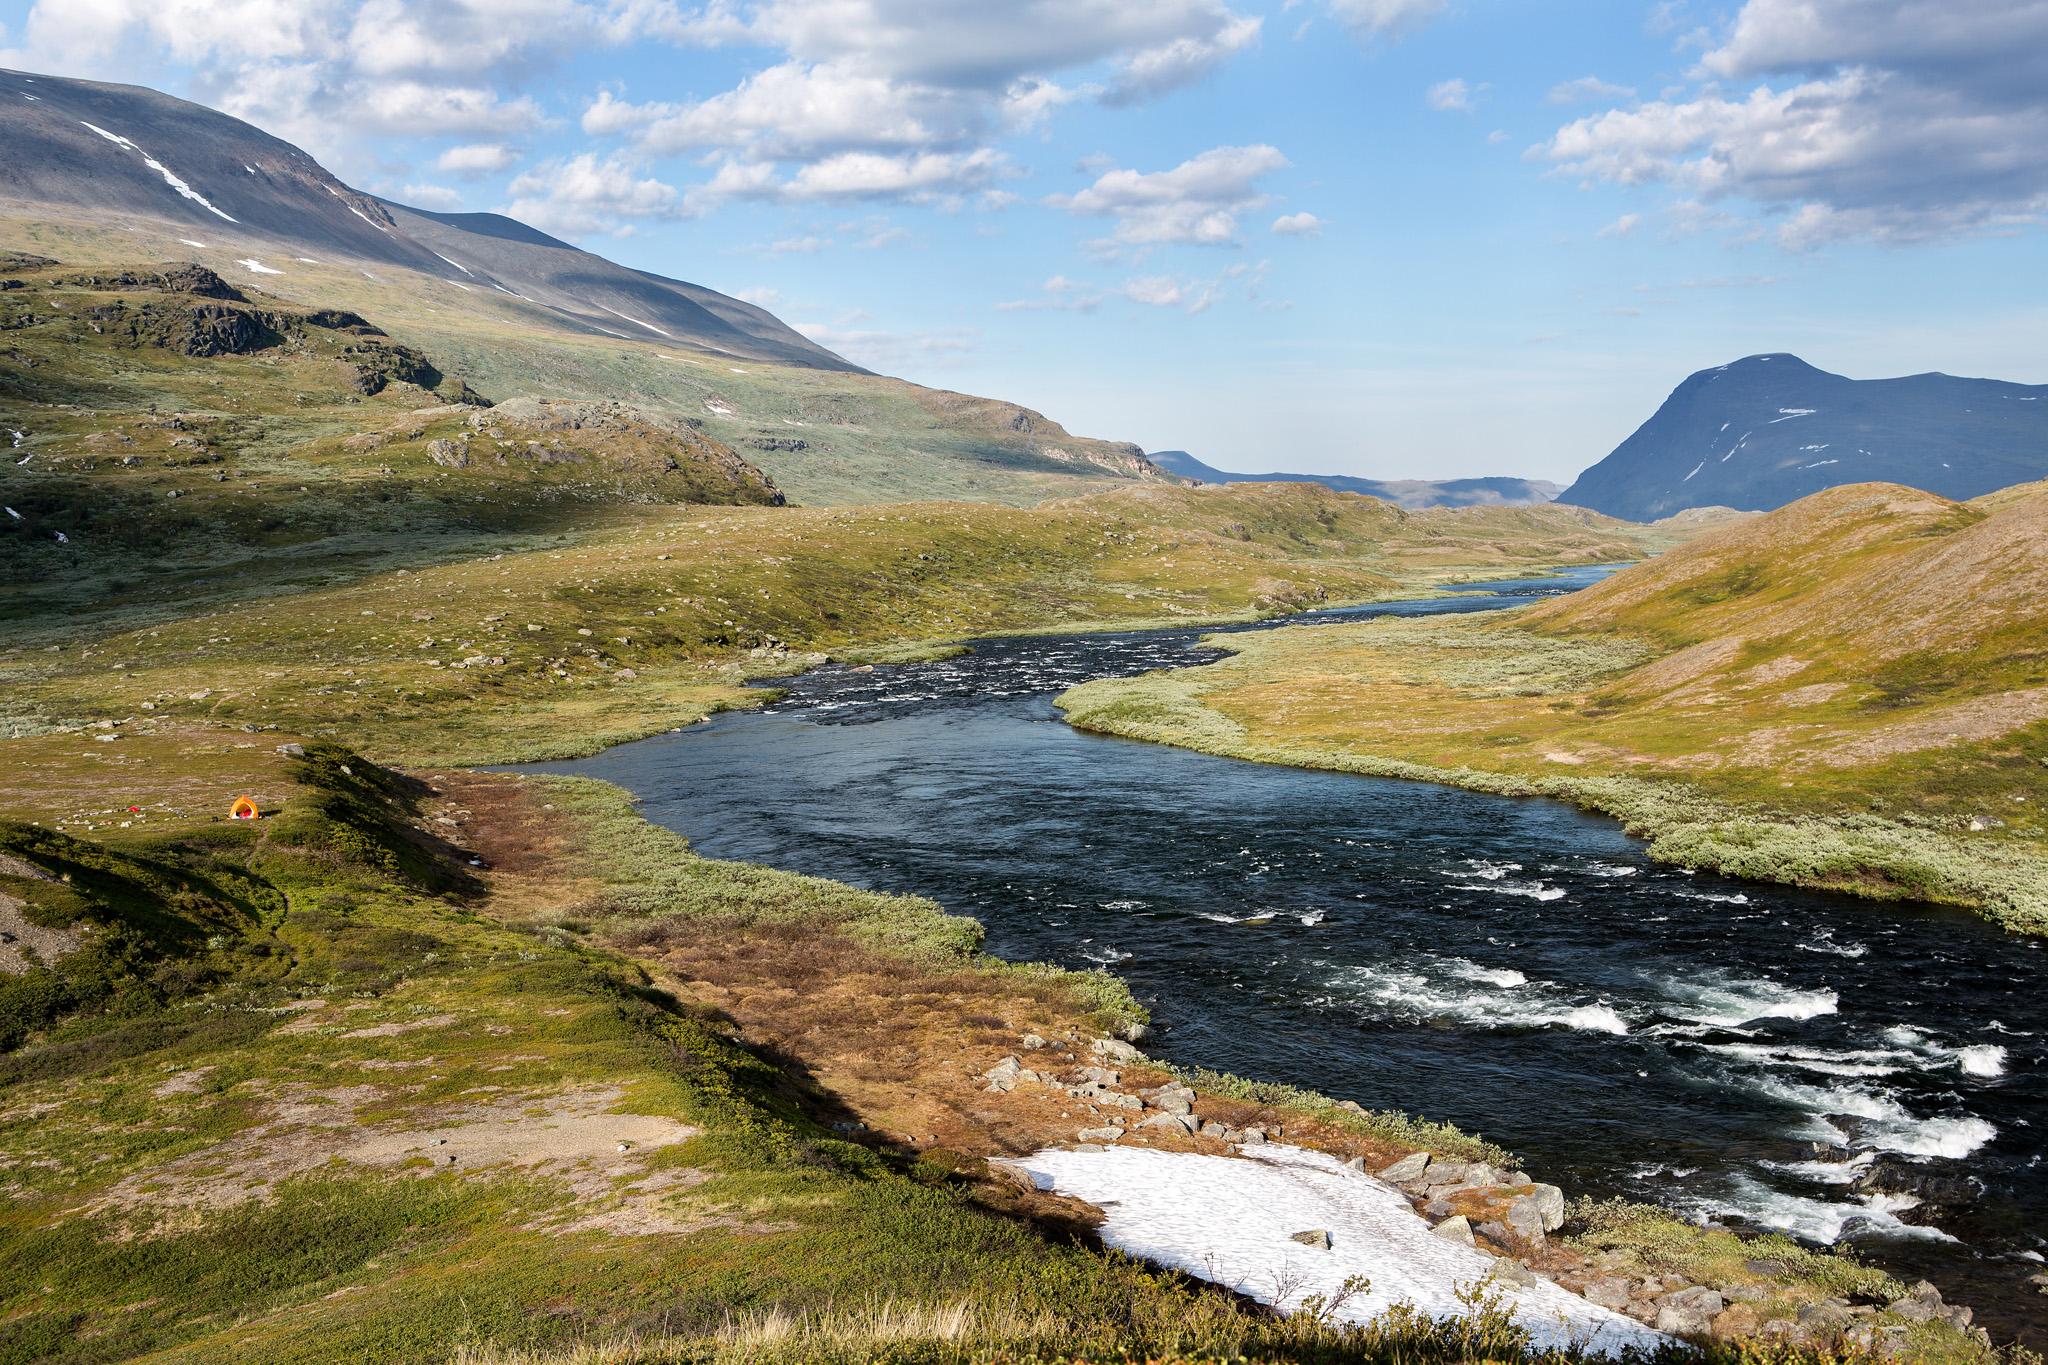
(1252,1137)
(1102,1075)
(1689,1312)
(1356,1163)
(1408,1168)
(1445,1171)
(1223,1130)
(1120,1101)
(1173,1102)
(1609,1291)
(1116,1050)
(1172,1123)
(1032,1042)
(1525,1218)
(1317,1238)
(1109,1133)
(1550,1202)
(1457,1229)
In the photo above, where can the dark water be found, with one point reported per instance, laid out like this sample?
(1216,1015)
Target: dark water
(1510,965)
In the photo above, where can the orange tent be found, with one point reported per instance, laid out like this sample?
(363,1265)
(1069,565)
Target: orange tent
(243,809)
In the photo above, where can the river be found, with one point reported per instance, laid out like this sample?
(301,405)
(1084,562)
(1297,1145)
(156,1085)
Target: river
(1730,1050)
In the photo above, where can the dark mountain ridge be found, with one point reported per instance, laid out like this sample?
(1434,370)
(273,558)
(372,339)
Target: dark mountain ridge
(1501,491)
(1767,430)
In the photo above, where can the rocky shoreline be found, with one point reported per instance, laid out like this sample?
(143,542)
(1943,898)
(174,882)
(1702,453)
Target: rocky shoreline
(1529,1227)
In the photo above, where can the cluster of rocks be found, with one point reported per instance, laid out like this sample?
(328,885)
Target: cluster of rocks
(1470,1199)
(1167,1110)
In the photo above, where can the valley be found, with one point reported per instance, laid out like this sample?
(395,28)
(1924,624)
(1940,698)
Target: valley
(548,817)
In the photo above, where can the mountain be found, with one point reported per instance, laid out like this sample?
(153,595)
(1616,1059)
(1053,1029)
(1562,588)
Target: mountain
(1502,491)
(108,176)
(1767,430)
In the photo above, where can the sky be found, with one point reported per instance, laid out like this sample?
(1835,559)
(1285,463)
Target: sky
(1399,238)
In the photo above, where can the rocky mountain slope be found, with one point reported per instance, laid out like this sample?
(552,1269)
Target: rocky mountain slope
(102,176)
(1506,491)
(1769,429)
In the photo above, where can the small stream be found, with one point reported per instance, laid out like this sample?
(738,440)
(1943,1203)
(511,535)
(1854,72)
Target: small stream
(1730,1050)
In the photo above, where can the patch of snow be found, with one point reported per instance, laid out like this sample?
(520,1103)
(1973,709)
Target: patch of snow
(735,369)
(189,242)
(1790,413)
(1815,449)
(635,321)
(610,333)
(1231,1220)
(33,99)
(17,437)
(12,513)
(1698,467)
(62,539)
(171,177)
(1818,463)
(460,285)
(307,259)
(256,267)
(1724,426)
(458,265)
(247,167)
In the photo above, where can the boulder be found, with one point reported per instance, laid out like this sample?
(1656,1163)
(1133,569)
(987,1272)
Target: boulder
(1455,1229)
(1173,1102)
(1409,1167)
(1109,1133)
(1550,1203)
(1609,1291)
(1317,1238)
(1525,1218)
(1445,1171)
(1116,1050)
(1171,1123)
(1689,1312)
(1252,1137)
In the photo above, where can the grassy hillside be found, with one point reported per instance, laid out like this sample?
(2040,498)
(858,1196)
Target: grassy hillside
(1851,692)
(825,437)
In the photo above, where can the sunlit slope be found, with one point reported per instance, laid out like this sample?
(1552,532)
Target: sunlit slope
(1849,692)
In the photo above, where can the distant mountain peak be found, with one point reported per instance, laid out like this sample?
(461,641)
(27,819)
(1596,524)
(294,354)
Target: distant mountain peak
(1769,429)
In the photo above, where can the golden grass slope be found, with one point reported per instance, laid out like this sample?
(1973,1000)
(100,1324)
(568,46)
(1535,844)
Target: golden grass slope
(1851,692)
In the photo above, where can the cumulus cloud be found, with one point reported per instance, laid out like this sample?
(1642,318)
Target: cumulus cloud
(586,194)
(1622,226)
(1198,201)
(473,160)
(1892,120)
(429,196)
(906,97)
(894,352)
(1298,225)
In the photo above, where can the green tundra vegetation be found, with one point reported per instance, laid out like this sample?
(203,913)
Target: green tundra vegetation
(429,1064)
(1848,693)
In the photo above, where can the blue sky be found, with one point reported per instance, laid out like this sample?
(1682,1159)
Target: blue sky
(1423,238)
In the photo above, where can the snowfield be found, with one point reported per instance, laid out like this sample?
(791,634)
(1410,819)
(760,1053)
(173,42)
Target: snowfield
(1231,1220)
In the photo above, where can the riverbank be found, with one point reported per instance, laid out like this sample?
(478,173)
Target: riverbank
(1783,720)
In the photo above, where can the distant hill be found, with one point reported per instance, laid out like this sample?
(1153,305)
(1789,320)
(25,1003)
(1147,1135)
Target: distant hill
(1507,492)
(1770,429)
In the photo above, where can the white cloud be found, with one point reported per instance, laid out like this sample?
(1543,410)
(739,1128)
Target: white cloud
(1587,89)
(760,298)
(437,197)
(1155,70)
(1198,201)
(1622,226)
(585,194)
(1449,96)
(1298,225)
(798,246)
(1893,120)
(472,160)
